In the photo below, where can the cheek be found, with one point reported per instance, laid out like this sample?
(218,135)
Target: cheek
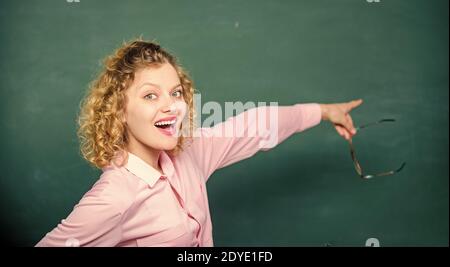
(181,106)
(140,119)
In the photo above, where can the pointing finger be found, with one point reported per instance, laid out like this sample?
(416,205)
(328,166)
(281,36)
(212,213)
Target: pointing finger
(353,104)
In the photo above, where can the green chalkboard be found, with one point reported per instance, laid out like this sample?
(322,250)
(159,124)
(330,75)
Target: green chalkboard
(304,192)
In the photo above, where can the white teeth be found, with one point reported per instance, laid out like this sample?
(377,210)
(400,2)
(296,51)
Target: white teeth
(165,122)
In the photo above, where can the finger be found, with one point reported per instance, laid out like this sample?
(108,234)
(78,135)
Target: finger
(353,104)
(342,131)
(353,130)
(349,125)
(339,130)
(347,134)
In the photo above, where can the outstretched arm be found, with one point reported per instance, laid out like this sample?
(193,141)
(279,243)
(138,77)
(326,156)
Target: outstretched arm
(242,136)
(257,129)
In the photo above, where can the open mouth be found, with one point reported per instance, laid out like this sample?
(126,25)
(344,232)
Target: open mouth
(166,127)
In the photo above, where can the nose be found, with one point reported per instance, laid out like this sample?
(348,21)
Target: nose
(170,110)
(170,107)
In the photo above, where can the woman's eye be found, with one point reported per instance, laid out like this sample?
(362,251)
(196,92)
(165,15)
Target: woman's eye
(177,93)
(150,96)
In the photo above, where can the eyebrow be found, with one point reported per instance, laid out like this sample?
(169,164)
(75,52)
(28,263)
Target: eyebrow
(156,85)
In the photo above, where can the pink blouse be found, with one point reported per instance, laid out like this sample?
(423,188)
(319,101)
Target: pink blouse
(135,205)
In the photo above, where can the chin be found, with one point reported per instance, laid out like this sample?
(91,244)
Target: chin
(168,145)
(170,148)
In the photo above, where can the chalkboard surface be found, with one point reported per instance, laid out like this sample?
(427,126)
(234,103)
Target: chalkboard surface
(304,192)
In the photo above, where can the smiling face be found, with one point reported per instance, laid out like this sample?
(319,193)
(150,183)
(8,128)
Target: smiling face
(155,95)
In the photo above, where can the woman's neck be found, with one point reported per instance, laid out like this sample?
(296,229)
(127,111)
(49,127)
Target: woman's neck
(149,155)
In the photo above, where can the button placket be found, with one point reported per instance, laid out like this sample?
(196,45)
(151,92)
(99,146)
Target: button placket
(184,208)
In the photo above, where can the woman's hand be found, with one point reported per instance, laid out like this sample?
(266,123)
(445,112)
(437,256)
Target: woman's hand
(338,114)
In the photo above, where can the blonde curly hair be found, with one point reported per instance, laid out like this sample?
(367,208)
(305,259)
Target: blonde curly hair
(102,132)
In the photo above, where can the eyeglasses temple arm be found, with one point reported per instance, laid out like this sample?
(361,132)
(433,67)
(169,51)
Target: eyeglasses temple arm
(374,123)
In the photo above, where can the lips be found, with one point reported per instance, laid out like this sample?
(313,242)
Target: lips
(167,125)
(170,118)
(169,130)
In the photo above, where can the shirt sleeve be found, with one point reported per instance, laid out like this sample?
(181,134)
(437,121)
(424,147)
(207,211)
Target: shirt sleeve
(95,220)
(242,136)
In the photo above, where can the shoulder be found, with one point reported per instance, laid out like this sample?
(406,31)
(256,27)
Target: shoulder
(114,189)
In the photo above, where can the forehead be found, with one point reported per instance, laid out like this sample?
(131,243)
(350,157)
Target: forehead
(163,75)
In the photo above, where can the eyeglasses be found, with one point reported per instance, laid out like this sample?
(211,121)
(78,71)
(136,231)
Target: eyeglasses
(356,162)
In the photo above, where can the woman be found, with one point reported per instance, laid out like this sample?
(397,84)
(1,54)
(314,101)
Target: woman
(152,190)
